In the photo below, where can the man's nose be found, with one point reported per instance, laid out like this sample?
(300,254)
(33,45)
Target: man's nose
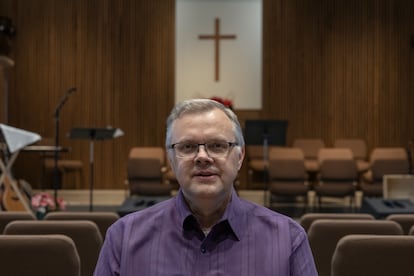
(202,151)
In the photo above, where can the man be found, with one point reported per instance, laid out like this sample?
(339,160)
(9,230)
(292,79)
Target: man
(206,229)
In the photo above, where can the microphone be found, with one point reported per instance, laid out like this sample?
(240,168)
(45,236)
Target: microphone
(71,90)
(63,101)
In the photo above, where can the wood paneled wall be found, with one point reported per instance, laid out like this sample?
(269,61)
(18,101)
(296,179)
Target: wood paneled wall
(332,68)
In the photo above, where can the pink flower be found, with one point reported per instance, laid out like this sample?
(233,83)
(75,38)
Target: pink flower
(61,203)
(45,202)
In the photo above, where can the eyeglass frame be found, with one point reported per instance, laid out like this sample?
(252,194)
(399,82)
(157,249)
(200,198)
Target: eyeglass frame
(197,150)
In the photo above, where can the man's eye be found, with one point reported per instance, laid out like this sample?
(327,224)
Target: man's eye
(187,146)
(217,146)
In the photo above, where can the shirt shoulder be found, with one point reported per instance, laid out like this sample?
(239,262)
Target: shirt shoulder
(271,217)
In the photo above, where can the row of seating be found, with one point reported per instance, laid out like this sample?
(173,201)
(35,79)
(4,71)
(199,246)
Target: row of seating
(291,171)
(335,172)
(310,148)
(342,244)
(75,236)
(359,244)
(102,219)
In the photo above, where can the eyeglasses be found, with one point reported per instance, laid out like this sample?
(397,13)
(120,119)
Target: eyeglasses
(214,149)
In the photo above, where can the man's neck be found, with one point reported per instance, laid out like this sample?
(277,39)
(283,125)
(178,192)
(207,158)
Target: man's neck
(208,212)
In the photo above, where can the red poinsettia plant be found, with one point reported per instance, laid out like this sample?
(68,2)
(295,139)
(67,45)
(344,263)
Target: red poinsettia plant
(226,102)
(43,202)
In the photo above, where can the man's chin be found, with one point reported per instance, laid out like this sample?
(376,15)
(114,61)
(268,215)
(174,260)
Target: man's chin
(206,190)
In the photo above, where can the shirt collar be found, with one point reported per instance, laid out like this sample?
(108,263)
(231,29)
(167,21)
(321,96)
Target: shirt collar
(234,216)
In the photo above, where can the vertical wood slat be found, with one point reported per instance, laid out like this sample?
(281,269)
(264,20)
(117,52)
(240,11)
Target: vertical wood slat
(332,68)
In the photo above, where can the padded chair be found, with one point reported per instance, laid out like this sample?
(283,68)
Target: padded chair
(255,156)
(287,172)
(324,234)
(379,255)
(65,166)
(359,151)
(310,148)
(85,234)
(306,220)
(148,152)
(36,255)
(145,168)
(102,219)
(169,176)
(256,166)
(405,220)
(383,161)
(8,216)
(338,173)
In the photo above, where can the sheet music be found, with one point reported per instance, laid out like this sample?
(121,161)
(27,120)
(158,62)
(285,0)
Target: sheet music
(17,139)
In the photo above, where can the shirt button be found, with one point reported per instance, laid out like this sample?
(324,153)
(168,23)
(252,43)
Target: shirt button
(203,249)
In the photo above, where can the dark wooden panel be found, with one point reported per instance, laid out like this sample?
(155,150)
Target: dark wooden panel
(119,55)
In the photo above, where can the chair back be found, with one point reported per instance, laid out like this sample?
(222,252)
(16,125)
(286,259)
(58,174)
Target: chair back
(337,164)
(383,161)
(36,255)
(388,161)
(338,174)
(256,158)
(145,168)
(310,147)
(359,151)
(307,219)
(287,172)
(254,151)
(287,163)
(148,152)
(357,146)
(145,177)
(85,234)
(102,219)
(405,220)
(379,255)
(324,234)
(8,216)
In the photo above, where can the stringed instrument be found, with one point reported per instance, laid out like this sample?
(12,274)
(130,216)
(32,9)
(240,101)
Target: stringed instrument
(13,197)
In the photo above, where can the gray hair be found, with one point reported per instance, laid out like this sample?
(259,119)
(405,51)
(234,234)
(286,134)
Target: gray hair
(194,106)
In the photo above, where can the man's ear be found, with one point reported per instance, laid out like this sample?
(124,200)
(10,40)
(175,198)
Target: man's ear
(241,157)
(171,160)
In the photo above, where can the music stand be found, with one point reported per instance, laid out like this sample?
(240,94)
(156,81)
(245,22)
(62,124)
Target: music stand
(265,132)
(94,134)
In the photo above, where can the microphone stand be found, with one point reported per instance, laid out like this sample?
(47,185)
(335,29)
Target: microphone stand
(56,178)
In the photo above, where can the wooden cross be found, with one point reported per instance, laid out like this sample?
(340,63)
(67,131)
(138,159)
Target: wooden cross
(217,36)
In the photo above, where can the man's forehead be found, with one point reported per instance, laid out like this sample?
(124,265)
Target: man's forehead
(209,122)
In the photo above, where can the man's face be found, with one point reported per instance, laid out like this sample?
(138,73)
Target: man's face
(202,176)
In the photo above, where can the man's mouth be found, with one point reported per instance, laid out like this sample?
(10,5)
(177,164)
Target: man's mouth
(205,175)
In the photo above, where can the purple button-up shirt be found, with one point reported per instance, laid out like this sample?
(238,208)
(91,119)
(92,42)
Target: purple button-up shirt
(166,239)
